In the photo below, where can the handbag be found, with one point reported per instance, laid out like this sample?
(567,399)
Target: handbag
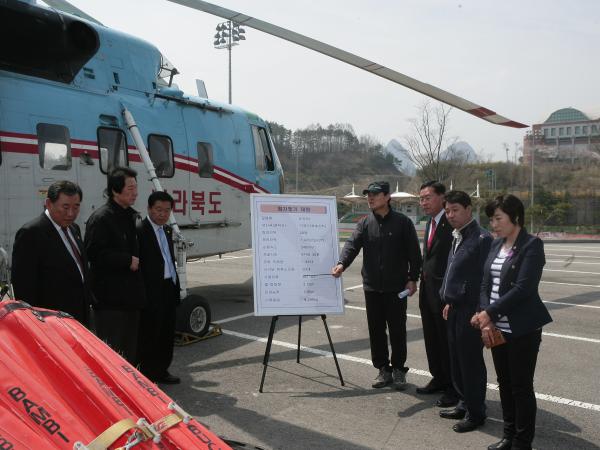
(497,337)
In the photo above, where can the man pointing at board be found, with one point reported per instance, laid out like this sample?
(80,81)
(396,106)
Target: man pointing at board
(391,265)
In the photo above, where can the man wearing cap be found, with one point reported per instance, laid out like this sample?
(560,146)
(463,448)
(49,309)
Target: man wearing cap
(391,265)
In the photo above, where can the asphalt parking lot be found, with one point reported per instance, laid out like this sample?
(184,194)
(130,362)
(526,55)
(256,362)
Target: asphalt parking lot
(304,406)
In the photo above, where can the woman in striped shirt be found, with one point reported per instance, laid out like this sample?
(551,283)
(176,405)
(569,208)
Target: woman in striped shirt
(510,301)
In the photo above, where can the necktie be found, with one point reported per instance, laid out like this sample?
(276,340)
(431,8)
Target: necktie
(74,248)
(457,235)
(164,248)
(431,234)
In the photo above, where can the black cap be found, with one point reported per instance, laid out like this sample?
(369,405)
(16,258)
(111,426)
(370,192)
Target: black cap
(378,186)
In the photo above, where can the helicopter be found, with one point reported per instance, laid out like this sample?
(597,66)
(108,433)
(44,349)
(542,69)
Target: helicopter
(78,98)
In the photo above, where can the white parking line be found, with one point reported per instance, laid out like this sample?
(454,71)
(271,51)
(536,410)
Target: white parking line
(566,261)
(224,258)
(342,356)
(571,271)
(579,249)
(231,319)
(571,284)
(572,304)
(546,282)
(572,255)
(353,287)
(577,338)
(563,336)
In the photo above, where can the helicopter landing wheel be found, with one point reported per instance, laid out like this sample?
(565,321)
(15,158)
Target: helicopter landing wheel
(193,316)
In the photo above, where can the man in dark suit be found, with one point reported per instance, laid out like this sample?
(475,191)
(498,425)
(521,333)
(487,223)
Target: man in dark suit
(157,263)
(460,293)
(436,246)
(49,266)
(113,251)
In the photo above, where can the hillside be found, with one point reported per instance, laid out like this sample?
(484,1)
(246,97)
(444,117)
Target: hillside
(329,157)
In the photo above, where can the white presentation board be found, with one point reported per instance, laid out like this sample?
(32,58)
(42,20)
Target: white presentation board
(295,245)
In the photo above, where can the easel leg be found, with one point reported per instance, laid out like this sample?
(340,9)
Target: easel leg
(337,366)
(299,334)
(268,351)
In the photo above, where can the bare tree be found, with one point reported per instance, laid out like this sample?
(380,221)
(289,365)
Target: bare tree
(428,141)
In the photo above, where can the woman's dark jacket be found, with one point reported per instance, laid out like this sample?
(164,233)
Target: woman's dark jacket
(519,281)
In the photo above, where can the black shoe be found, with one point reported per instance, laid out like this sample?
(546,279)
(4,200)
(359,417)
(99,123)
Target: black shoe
(466,425)
(455,413)
(168,379)
(503,444)
(446,401)
(431,388)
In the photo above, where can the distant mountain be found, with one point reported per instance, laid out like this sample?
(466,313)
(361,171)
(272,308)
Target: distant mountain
(404,164)
(461,150)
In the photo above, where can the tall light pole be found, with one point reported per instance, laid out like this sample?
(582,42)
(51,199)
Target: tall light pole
(229,34)
(296,150)
(532,161)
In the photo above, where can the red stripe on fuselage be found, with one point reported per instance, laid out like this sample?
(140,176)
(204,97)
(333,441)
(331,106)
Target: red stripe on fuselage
(28,148)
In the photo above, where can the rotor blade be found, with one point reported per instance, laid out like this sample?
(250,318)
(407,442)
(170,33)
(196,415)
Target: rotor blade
(65,6)
(362,63)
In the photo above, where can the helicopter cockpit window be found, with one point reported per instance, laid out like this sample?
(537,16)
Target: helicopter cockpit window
(166,72)
(205,160)
(160,149)
(112,147)
(54,146)
(262,150)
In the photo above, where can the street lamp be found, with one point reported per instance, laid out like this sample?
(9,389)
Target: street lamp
(297,150)
(229,34)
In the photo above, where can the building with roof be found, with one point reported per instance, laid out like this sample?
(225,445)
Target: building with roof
(568,135)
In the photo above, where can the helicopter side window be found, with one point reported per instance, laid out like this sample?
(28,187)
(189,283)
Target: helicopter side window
(205,160)
(112,147)
(160,149)
(262,150)
(54,146)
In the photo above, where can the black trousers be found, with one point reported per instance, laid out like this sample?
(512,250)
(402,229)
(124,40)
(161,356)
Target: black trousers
(469,375)
(515,367)
(119,329)
(157,332)
(386,310)
(435,335)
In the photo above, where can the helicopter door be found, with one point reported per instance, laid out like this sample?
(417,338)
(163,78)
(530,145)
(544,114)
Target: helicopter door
(54,159)
(266,176)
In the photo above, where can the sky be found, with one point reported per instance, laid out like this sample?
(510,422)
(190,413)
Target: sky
(523,59)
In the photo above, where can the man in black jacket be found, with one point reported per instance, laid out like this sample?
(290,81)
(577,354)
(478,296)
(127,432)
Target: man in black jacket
(49,266)
(436,246)
(113,250)
(157,263)
(391,264)
(460,292)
